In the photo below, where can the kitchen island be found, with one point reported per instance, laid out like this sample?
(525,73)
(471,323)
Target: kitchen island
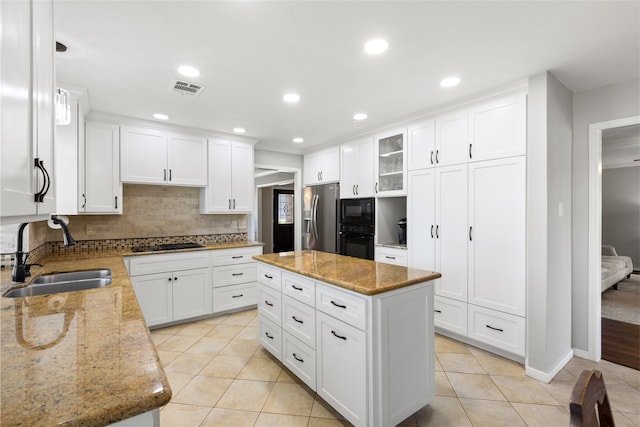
(357,332)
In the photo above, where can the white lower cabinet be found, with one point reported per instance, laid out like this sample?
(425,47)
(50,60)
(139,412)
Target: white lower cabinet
(234,278)
(370,357)
(396,256)
(234,297)
(155,296)
(450,314)
(501,330)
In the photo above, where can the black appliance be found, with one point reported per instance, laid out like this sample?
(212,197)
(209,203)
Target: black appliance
(166,247)
(402,231)
(357,227)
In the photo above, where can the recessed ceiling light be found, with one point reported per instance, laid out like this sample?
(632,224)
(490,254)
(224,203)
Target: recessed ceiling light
(239,130)
(376,46)
(161,116)
(359,116)
(188,71)
(291,98)
(298,140)
(450,82)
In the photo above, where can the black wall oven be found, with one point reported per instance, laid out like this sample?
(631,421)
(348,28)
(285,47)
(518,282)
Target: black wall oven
(357,227)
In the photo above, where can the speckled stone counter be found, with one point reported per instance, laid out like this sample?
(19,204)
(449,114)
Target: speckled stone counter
(359,275)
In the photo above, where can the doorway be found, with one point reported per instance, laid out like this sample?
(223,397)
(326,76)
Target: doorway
(283,222)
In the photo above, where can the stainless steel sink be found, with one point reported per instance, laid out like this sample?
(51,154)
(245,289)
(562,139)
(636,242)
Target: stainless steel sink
(63,282)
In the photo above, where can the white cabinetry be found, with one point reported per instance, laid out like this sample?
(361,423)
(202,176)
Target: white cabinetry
(391,255)
(390,163)
(172,287)
(356,169)
(151,156)
(230,187)
(452,139)
(26,102)
(422,145)
(234,278)
(101,189)
(322,167)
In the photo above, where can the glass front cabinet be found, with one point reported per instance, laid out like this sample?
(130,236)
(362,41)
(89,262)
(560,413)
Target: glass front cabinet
(391,163)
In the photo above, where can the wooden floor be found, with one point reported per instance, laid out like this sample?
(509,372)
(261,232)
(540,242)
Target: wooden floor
(621,343)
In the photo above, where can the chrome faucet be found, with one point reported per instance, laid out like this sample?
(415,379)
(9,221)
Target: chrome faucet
(21,269)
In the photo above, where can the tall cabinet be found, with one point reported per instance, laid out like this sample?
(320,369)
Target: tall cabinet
(466,219)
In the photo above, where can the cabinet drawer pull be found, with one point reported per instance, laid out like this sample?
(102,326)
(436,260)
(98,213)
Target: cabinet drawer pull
(237,274)
(237,296)
(338,336)
(296,288)
(338,305)
(495,329)
(297,358)
(268,277)
(297,320)
(268,303)
(438,311)
(389,257)
(268,335)
(237,257)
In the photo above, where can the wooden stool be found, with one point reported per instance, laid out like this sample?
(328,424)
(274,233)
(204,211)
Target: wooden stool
(588,392)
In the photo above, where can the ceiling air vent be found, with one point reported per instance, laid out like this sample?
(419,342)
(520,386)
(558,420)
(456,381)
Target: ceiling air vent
(185,88)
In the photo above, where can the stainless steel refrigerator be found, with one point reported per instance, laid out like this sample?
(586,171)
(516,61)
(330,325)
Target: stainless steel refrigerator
(320,204)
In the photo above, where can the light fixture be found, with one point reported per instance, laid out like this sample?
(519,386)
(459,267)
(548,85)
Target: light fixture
(298,140)
(450,82)
(161,116)
(63,107)
(291,98)
(359,116)
(376,46)
(188,71)
(239,130)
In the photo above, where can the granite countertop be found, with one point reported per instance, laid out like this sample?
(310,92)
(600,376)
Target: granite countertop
(359,275)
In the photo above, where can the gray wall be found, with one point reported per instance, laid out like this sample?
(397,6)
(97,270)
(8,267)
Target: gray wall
(621,211)
(605,103)
(549,138)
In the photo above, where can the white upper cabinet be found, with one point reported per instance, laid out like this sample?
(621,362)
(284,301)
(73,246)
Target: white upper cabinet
(151,156)
(322,167)
(452,139)
(498,128)
(230,186)
(101,186)
(422,145)
(390,163)
(356,169)
(26,102)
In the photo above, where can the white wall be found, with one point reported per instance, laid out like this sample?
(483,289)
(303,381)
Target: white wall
(549,137)
(610,102)
(264,157)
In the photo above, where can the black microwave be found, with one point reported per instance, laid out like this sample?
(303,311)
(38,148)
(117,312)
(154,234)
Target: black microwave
(358,213)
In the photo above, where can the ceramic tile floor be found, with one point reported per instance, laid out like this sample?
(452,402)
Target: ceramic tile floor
(221,376)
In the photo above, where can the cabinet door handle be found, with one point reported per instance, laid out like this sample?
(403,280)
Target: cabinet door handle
(470,229)
(170,279)
(321,175)
(437,161)
(338,336)
(470,156)
(268,277)
(46,184)
(376,188)
(268,335)
(175,279)
(297,358)
(438,311)
(494,329)
(357,189)
(268,303)
(297,320)
(116,202)
(237,257)
(437,228)
(432,231)
(237,296)
(165,175)
(229,204)
(296,288)
(84,201)
(338,305)
(431,156)
(318,175)
(353,190)
(169,174)
(389,257)
(237,274)
(234,203)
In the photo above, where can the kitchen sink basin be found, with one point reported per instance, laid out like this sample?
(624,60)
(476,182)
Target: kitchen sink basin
(63,282)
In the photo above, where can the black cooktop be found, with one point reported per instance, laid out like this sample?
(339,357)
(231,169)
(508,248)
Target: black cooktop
(166,247)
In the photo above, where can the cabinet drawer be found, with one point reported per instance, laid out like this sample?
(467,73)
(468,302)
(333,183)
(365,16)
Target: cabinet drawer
(300,359)
(391,256)
(234,255)
(233,274)
(299,320)
(270,336)
(299,287)
(498,329)
(450,314)
(234,296)
(270,303)
(150,264)
(341,305)
(270,276)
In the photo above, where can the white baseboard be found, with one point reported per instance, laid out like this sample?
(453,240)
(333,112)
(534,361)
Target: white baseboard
(583,354)
(546,377)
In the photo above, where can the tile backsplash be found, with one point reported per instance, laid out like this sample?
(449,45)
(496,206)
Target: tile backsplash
(149,211)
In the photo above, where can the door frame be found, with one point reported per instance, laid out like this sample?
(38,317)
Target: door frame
(594,346)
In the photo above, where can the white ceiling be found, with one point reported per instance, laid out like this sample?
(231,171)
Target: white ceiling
(125,53)
(621,147)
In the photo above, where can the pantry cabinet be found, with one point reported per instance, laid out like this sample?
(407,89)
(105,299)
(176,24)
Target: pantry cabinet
(27,103)
(101,189)
(322,167)
(356,169)
(230,186)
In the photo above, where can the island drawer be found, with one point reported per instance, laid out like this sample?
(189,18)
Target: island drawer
(342,305)
(270,276)
(234,296)
(270,336)
(270,303)
(234,255)
(299,320)
(496,328)
(299,287)
(300,359)
(233,274)
(450,314)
